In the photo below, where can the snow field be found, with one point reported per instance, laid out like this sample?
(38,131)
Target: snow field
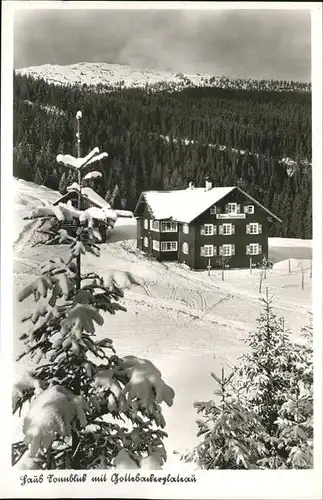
(185,322)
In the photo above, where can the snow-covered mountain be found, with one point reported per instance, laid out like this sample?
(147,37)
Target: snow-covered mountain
(116,76)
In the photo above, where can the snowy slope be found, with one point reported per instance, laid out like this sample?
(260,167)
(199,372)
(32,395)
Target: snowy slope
(187,323)
(123,76)
(289,163)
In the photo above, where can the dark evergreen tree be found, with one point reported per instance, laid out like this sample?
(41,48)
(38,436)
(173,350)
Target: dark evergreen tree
(63,184)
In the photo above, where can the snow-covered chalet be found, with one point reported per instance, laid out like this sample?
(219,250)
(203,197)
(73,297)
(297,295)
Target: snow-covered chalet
(203,226)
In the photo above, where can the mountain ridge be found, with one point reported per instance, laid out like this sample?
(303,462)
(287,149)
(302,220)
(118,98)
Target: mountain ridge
(113,76)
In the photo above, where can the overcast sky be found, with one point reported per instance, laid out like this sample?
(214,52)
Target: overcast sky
(247,43)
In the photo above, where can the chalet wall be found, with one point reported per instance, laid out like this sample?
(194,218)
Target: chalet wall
(140,232)
(189,238)
(240,239)
(149,234)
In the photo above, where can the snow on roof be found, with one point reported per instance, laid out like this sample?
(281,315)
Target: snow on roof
(94,198)
(123,213)
(183,205)
(186,204)
(89,193)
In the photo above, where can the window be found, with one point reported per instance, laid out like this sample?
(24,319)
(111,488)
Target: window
(186,228)
(169,227)
(185,248)
(167,246)
(208,251)
(232,208)
(154,225)
(254,228)
(146,224)
(249,209)
(146,242)
(208,229)
(254,249)
(227,250)
(213,210)
(156,245)
(227,229)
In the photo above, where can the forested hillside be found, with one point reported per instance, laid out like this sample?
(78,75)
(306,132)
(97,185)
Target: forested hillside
(167,139)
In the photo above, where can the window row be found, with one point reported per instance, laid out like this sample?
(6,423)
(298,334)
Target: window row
(233,208)
(163,246)
(211,250)
(228,250)
(206,229)
(205,250)
(164,226)
(229,229)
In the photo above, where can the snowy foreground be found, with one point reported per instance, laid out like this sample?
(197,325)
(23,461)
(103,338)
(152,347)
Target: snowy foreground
(187,323)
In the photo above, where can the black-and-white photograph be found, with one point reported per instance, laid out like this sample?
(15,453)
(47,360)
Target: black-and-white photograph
(162,238)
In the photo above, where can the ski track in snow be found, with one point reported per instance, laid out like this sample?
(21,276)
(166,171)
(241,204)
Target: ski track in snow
(187,323)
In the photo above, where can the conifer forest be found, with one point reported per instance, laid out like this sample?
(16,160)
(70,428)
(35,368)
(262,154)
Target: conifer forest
(166,139)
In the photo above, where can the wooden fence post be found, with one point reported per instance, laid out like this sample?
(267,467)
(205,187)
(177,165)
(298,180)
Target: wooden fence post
(260,282)
(302,270)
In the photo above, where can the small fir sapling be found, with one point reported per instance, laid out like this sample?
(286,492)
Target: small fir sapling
(228,431)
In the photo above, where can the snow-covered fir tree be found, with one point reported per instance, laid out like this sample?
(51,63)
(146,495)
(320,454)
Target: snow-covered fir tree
(265,415)
(87,407)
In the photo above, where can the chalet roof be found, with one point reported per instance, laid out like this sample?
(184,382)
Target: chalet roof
(88,193)
(92,196)
(186,204)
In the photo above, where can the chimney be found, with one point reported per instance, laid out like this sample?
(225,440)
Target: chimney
(208,184)
(191,185)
